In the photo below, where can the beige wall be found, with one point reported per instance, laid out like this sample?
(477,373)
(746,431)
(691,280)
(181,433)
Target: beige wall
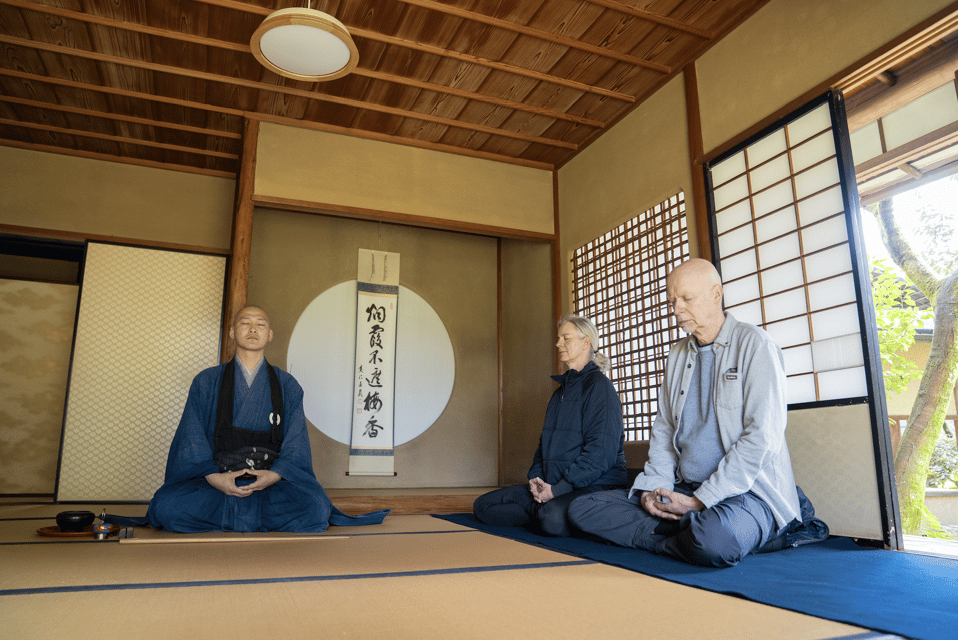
(639,163)
(64,193)
(296,257)
(529,354)
(315,166)
(788,48)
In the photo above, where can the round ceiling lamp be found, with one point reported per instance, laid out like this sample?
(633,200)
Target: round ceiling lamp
(304,44)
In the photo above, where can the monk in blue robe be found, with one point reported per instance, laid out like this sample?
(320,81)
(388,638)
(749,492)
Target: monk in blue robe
(243,463)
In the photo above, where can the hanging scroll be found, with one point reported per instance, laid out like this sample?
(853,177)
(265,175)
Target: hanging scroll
(377,301)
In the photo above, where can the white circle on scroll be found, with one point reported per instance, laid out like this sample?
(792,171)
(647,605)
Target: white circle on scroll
(322,352)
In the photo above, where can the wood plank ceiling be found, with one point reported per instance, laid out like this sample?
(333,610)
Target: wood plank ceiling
(168,83)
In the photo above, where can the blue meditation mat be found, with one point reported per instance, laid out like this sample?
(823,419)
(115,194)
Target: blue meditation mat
(907,594)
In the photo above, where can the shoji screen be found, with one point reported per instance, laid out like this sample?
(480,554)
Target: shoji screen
(149,320)
(786,236)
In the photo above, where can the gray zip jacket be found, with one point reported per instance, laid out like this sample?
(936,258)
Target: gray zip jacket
(749,400)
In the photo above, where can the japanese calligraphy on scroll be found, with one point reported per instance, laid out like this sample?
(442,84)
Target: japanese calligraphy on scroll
(377,301)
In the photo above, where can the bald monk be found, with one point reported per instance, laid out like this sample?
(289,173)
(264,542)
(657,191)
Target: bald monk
(718,484)
(240,459)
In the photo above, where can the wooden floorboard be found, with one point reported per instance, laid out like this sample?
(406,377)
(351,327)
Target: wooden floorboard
(406,505)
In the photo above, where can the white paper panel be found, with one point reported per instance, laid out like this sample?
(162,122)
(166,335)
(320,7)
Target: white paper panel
(736,240)
(768,147)
(827,263)
(730,192)
(789,332)
(739,291)
(820,206)
(831,292)
(835,322)
(813,151)
(866,143)
(824,234)
(840,352)
(734,216)
(785,305)
(773,199)
(801,389)
(769,173)
(779,251)
(843,383)
(782,277)
(775,224)
(923,115)
(738,266)
(817,178)
(798,360)
(813,122)
(750,312)
(728,169)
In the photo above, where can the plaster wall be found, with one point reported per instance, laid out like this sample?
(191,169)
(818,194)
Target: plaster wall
(111,199)
(641,162)
(315,166)
(296,257)
(788,48)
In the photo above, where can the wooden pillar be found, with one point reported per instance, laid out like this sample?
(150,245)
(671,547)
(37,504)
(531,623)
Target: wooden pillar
(238,272)
(559,266)
(694,118)
(557,261)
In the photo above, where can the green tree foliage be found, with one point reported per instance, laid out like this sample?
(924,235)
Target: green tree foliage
(923,254)
(897,317)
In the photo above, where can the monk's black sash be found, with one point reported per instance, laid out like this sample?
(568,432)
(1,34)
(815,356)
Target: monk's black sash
(237,448)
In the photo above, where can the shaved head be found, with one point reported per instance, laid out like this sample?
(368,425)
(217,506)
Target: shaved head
(699,269)
(694,290)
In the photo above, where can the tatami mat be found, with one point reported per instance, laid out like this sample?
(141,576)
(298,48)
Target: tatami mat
(411,577)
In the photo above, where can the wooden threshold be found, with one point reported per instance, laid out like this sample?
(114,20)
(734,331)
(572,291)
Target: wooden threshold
(409,502)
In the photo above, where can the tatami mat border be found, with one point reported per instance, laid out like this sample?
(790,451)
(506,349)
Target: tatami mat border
(357,534)
(259,581)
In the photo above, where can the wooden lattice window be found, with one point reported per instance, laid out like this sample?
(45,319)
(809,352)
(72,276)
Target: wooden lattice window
(619,283)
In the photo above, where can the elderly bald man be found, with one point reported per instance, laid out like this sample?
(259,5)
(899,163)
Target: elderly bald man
(718,484)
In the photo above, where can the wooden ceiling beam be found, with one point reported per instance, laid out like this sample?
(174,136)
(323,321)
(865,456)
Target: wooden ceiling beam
(446,53)
(913,81)
(548,36)
(927,144)
(243,48)
(115,116)
(85,86)
(490,64)
(358,133)
(117,139)
(907,49)
(263,86)
(654,17)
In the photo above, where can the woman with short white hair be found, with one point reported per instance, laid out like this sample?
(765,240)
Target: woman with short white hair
(580,449)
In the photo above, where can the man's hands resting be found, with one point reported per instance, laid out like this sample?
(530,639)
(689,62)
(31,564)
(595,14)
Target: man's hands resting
(670,505)
(226,481)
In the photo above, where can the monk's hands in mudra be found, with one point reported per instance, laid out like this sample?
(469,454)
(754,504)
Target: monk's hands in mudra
(226,481)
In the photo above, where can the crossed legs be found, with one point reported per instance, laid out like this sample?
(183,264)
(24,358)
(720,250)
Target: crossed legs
(717,537)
